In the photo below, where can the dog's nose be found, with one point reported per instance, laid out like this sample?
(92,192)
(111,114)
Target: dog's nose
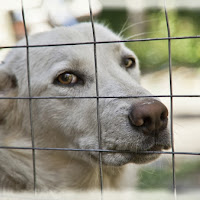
(149,116)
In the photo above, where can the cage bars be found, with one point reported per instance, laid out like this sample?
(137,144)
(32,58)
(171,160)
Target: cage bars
(100,150)
(97,100)
(171,99)
(103,42)
(30,99)
(98,97)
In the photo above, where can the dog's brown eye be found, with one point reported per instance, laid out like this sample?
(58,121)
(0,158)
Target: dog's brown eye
(129,62)
(67,78)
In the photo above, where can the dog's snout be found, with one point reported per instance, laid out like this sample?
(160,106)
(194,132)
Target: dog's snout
(149,116)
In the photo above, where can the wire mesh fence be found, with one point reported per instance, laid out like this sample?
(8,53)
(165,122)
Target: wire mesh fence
(97,97)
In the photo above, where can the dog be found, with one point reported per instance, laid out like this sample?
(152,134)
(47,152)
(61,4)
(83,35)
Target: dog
(57,120)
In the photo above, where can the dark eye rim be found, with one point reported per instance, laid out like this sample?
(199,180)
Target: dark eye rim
(132,59)
(79,79)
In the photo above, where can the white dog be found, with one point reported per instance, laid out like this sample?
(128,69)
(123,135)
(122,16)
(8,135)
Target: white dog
(130,124)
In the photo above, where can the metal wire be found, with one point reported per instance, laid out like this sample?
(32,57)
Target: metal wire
(30,100)
(103,97)
(100,150)
(171,100)
(102,42)
(97,93)
(97,97)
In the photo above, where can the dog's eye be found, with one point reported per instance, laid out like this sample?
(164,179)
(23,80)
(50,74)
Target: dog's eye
(129,62)
(67,79)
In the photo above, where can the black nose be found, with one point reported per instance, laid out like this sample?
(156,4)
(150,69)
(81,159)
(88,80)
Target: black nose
(150,116)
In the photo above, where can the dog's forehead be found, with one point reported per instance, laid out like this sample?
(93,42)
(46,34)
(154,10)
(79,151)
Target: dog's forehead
(69,40)
(80,33)
(72,40)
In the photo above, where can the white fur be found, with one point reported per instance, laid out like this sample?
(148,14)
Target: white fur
(107,195)
(69,123)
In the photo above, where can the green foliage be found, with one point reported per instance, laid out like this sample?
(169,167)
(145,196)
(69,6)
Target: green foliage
(154,179)
(114,18)
(184,52)
(161,178)
(154,54)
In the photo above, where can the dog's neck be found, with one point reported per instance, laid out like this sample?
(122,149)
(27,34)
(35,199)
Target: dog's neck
(53,172)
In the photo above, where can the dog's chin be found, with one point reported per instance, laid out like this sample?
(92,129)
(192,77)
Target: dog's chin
(119,159)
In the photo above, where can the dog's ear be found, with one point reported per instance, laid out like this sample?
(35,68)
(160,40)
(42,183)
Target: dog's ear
(8,88)
(8,82)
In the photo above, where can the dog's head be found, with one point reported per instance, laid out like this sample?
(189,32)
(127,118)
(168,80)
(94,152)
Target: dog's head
(130,124)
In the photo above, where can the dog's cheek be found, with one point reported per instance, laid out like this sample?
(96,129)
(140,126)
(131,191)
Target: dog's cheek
(66,120)
(86,125)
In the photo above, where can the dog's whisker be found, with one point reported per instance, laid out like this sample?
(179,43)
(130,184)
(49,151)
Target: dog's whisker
(140,34)
(123,27)
(135,24)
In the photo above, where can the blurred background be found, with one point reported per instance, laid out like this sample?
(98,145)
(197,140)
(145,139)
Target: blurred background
(137,19)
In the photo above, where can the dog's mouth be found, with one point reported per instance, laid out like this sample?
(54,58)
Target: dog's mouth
(145,156)
(149,155)
(158,148)
(119,158)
